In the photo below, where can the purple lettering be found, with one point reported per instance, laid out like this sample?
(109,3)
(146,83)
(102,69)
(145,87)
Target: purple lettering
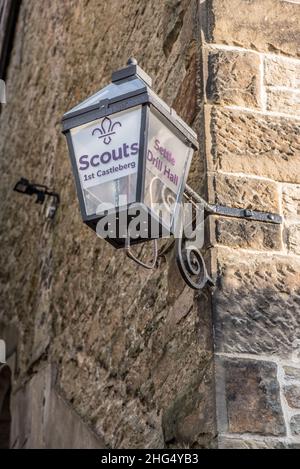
(105,157)
(125,149)
(149,155)
(82,161)
(115,157)
(164,152)
(167,172)
(134,148)
(157,144)
(95,157)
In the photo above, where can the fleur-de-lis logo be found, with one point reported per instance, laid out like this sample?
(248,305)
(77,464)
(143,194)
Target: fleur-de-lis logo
(106,129)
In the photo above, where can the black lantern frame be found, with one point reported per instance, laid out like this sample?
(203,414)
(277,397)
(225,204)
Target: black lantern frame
(149,101)
(101,105)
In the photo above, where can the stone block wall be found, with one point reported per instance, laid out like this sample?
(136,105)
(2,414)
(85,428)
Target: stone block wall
(251,69)
(141,360)
(42,419)
(132,348)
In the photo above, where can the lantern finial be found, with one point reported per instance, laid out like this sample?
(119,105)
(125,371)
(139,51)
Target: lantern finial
(132,61)
(130,70)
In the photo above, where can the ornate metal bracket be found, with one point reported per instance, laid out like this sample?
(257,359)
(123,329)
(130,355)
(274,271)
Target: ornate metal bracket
(191,265)
(188,257)
(212,209)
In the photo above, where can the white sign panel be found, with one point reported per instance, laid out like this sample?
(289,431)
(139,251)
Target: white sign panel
(108,148)
(167,155)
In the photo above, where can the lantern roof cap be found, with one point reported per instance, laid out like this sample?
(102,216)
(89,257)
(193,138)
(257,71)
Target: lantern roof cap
(128,84)
(131,79)
(111,91)
(132,69)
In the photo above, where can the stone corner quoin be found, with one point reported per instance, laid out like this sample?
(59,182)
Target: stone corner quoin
(251,54)
(262,25)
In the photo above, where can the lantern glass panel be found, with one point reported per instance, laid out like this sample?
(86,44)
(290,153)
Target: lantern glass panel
(106,152)
(168,162)
(112,91)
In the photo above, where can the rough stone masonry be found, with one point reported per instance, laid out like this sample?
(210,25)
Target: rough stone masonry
(105,354)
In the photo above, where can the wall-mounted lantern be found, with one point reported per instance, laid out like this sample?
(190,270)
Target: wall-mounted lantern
(131,155)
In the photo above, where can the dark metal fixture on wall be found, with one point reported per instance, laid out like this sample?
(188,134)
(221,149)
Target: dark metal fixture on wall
(131,155)
(23,186)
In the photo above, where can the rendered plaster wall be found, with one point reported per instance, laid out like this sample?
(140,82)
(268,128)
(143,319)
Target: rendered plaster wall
(132,348)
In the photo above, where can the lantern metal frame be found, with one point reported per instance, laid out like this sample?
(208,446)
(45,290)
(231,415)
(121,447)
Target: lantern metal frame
(149,102)
(189,260)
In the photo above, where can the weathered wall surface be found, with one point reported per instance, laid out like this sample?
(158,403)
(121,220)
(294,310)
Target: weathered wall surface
(253,157)
(42,419)
(132,348)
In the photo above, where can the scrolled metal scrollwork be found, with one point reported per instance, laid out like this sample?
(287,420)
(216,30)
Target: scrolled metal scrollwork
(188,256)
(187,249)
(191,264)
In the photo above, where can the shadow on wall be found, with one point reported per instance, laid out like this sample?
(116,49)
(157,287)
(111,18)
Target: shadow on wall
(5,416)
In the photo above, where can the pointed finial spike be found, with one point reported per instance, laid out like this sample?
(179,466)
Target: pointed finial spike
(131,70)
(131,61)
